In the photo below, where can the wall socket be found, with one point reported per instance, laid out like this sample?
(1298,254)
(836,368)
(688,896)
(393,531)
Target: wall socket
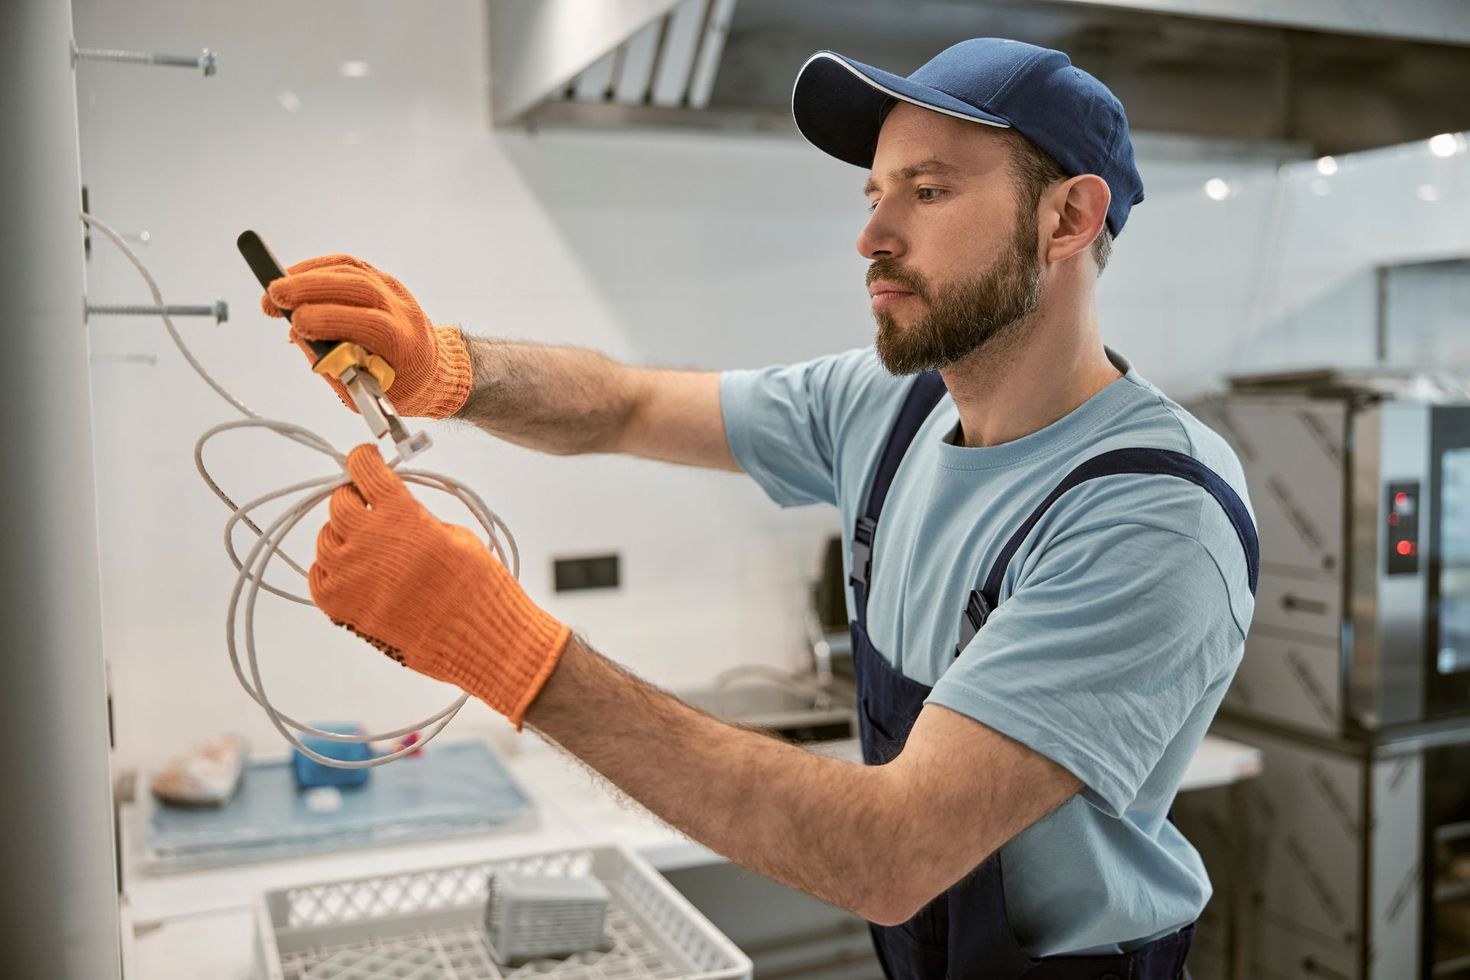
(591,572)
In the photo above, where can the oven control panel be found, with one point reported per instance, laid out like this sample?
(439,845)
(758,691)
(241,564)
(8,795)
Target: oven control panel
(1403,528)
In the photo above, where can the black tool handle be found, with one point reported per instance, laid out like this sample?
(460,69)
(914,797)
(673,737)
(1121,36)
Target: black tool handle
(267,269)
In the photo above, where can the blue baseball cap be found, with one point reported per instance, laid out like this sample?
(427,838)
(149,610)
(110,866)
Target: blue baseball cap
(839,107)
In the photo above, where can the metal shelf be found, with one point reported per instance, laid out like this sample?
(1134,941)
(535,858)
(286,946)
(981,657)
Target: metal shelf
(1452,966)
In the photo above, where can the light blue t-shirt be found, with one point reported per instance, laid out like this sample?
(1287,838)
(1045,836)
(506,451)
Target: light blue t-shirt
(1120,623)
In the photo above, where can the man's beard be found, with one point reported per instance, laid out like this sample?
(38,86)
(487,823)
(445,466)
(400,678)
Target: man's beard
(962,317)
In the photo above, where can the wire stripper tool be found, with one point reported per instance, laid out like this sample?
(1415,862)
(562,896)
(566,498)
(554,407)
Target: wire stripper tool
(365,375)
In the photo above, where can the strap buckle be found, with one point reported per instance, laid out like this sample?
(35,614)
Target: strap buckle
(862,551)
(977,611)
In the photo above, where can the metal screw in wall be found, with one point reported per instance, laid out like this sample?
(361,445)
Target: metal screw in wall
(220,310)
(206,60)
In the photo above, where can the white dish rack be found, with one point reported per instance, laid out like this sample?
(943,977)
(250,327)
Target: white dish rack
(428,925)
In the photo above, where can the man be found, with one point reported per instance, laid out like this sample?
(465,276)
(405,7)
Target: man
(1012,820)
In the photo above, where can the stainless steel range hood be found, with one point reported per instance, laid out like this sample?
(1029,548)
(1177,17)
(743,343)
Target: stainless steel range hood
(1323,76)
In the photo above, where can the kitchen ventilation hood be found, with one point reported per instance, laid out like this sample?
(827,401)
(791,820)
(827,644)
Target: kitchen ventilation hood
(1319,76)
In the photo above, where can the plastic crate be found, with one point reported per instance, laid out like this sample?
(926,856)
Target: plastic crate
(418,925)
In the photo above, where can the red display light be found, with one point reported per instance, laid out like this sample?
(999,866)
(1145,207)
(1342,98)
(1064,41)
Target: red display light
(1400,498)
(1405,548)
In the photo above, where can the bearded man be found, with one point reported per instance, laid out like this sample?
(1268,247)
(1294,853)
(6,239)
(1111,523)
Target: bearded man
(1052,564)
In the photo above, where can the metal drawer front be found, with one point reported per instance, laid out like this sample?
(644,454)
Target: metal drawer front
(1307,828)
(1290,680)
(1300,605)
(1291,451)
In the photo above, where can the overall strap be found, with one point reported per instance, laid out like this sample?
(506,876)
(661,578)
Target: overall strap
(1162,461)
(923,395)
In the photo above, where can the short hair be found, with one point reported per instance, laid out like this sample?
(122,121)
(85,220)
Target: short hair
(1034,171)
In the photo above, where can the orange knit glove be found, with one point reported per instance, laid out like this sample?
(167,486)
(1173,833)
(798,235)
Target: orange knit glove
(429,594)
(338,297)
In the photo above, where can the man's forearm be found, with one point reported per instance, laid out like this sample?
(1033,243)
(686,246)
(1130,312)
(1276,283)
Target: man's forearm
(566,400)
(819,824)
(561,400)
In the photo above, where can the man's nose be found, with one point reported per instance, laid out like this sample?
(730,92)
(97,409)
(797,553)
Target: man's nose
(879,238)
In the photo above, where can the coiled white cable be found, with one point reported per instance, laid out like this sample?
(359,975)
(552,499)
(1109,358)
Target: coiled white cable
(251,578)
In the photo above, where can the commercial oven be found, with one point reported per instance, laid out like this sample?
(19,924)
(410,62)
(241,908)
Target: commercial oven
(1361,490)
(1356,678)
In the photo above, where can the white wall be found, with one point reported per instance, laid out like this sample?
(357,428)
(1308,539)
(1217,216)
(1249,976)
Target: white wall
(674,249)
(1281,274)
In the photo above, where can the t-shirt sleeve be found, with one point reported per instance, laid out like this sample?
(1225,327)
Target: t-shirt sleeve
(779,423)
(1101,654)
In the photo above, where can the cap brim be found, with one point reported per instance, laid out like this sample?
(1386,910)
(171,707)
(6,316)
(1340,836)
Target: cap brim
(838,105)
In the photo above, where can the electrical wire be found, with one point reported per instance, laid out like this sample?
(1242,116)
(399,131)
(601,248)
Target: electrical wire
(309,495)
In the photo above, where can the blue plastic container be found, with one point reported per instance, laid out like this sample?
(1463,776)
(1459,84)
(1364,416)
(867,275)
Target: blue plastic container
(310,774)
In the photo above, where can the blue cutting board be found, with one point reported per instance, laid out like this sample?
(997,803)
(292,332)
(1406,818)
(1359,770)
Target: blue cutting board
(450,790)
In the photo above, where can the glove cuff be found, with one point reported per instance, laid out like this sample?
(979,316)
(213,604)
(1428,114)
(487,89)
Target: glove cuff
(454,375)
(502,648)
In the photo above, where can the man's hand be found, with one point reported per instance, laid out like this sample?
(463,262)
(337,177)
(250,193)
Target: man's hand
(430,594)
(341,298)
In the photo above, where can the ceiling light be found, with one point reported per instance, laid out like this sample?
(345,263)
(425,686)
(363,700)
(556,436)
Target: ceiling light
(1447,144)
(1218,190)
(289,100)
(1427,192)
(354,69)
(1327,166)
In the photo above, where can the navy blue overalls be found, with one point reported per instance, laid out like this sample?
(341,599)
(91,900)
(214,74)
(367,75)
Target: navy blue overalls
(964,933)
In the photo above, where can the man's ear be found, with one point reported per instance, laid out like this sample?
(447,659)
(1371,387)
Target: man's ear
(1079,212)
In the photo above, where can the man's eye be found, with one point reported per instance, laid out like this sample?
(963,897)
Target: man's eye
(929,193)
(872,205)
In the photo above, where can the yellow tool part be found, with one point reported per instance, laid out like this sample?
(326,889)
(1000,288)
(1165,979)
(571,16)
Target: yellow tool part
(347,355)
